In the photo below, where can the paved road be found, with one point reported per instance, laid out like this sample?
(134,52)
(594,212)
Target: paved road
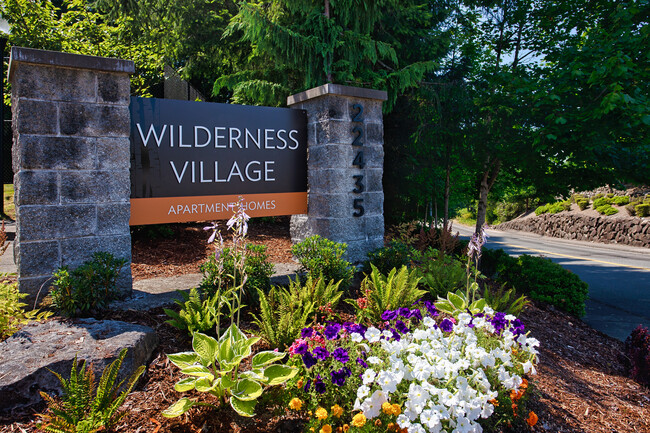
(618,276)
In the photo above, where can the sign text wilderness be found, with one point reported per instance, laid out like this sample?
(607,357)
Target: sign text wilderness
(190,160)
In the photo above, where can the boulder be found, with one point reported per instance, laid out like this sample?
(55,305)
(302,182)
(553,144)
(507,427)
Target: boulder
(26,356)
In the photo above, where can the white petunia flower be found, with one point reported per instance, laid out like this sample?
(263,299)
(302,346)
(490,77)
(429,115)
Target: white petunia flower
(362,392)
(368,376)
(356,337)
(373,360)
(373,334)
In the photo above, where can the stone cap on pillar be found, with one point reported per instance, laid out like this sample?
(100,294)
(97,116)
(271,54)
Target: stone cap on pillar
(67,60)
(337,89)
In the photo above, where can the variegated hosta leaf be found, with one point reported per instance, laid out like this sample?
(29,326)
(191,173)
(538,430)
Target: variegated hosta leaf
(178,408)
(183,359)
(267,357)
(243,408)
(185,384)
(277,374)
(247,389)
(206,347)
(198,371)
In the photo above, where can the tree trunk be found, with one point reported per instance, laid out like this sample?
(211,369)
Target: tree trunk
(446,196)
(489,177)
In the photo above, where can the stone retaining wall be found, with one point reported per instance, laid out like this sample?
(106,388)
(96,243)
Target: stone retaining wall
(626,231)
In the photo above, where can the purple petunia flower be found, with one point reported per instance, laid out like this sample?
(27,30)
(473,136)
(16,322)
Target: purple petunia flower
(517,327)
(389,315)
(396,335)
(499,322)
(309,360)
(415,314)
(404,312)
(307,385)
(341,355)
(307,332)
(401,327)
(359,329)
(332,331)
(447,325)
(321,353)
(301,349)
(431,308)
(319,386)
(362,363)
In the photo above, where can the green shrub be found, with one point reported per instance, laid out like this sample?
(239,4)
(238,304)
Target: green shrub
(642,210)
(441,273)
(394,255)
(12,310)
(607,209)
(553,208)
(257,267)
(610,195)
(621,200)
(88,288)
(601,202)
(495,261)
(85,406)
(549,282)
(320,256)
(386,292)
(506,210)
(583,203)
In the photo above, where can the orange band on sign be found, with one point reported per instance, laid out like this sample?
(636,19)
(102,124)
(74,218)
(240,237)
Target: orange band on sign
(162,210)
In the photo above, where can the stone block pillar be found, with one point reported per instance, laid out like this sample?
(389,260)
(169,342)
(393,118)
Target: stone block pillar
(345,167)
(71,159)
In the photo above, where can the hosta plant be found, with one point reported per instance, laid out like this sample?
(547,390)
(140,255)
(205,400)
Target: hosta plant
(214,367)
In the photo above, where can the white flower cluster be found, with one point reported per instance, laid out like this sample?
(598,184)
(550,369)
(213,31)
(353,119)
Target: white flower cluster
(444,380)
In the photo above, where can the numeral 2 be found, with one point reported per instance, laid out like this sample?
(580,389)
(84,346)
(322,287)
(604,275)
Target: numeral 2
(358,117)
(357,140)
(358,205)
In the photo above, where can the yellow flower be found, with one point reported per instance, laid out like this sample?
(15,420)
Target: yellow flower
(337,411)
(396,409)
(321,413)
(377,422)
(295,404)
(346,428)
(326,429)
(359,420)
(387,408)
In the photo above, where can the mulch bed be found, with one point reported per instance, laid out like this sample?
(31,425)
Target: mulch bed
(580,384)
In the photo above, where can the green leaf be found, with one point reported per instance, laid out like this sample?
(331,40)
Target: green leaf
(551,136)
(185,384)
(178,408)
(247,389)
(204,384)
(233,333)
(277,374)
(267,357)
(225,353)
(183,359)
(206,347)
(243,408)
(198,371)
(456,301)
(227,382)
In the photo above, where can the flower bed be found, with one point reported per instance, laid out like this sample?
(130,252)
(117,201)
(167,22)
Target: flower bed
(414,373)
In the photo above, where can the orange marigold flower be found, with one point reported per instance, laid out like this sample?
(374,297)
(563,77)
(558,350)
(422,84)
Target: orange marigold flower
(337,411)
(387,408)
(396,409)
(299,383)
(346,428)
(377,422)
(494,402)
(390,426)
(513,395)
(359,420)
(321,413)
(524,383)
(532,418)
(295,404)
(326,429)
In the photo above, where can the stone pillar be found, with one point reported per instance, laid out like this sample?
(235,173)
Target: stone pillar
(71,159)
(345,167)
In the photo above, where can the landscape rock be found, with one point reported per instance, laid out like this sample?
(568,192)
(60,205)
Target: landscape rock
(625,231)
(26,356)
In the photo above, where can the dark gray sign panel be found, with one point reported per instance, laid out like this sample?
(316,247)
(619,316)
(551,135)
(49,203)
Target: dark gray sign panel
(189,160)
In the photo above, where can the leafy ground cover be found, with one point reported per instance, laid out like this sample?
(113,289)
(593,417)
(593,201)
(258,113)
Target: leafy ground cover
(580,385)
